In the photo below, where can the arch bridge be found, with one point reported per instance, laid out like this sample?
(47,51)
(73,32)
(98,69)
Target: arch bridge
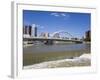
(56,36)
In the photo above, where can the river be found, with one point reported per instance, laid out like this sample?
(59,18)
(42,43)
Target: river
(41,53)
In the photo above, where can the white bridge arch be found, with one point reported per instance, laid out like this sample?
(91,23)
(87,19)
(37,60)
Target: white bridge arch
(58,35)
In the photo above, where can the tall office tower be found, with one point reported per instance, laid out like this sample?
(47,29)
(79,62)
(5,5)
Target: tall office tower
(26,30)
(30,30)
(23,29)
(88,35)
(34,30)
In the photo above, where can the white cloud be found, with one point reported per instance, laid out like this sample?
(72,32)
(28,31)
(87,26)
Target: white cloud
(63,15)
(55,14)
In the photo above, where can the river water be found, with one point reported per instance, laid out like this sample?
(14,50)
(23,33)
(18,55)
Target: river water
(41,53)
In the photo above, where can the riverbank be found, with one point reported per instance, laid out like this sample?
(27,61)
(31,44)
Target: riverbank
(83,60)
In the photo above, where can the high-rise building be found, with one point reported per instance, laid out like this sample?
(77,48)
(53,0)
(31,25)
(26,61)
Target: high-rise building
(88,35)
(26,30)
(34,30)
(23,29)
(30,30)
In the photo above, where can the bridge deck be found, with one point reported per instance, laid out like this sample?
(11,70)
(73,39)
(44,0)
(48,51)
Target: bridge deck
(53,39)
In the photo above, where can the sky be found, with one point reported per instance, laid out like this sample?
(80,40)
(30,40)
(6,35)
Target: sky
(47,21)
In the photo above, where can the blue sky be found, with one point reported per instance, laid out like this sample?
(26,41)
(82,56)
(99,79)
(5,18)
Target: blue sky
(46,21)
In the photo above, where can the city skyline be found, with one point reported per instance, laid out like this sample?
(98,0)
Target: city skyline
(46,21)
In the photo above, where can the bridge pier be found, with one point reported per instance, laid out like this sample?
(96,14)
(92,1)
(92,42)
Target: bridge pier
(49,42)
(79,42)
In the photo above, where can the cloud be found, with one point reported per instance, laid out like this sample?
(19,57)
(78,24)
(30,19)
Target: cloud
(55,14)
(62,15)
(59,14)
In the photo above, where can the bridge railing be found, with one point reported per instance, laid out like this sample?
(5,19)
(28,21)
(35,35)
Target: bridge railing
(32,37)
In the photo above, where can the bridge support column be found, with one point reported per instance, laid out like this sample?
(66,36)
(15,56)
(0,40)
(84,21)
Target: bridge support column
(49,42)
